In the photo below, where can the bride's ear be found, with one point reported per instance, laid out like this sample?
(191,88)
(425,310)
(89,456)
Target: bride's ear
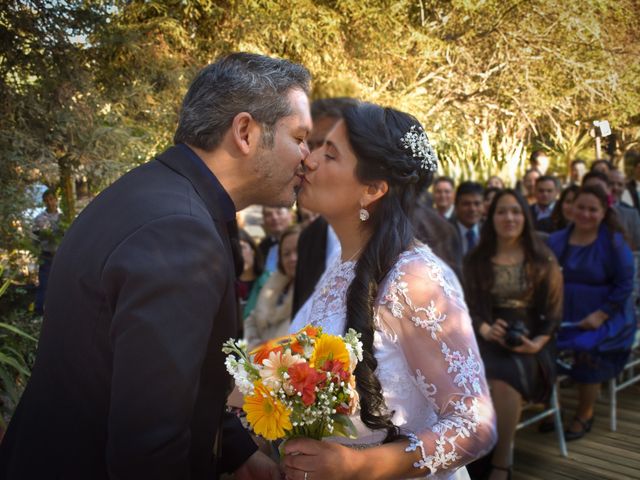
(374,191)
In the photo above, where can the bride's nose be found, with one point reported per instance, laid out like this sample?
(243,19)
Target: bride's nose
(310,163)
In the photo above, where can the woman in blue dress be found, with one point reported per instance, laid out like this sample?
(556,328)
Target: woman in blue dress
(599,323)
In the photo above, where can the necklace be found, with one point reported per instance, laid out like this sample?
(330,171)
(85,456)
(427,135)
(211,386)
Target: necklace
(352,256)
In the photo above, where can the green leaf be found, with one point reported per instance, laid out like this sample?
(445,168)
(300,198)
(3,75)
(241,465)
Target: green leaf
(8,360)
(344,427)
(17,331)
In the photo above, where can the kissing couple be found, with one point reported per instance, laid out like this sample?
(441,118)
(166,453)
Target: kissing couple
(129,380)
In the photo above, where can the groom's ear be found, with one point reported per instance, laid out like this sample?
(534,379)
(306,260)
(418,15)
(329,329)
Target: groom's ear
(375,191)
(245,133)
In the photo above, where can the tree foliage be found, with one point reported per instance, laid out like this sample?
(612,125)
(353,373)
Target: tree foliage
(95,87)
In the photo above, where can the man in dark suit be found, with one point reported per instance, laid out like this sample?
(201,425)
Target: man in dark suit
(632,195)
(546,191)
(467,217)
(129,381)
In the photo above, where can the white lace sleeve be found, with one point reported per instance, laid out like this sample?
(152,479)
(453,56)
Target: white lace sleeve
(422,308)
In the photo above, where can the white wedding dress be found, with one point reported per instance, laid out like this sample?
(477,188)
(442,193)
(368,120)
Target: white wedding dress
(429,367)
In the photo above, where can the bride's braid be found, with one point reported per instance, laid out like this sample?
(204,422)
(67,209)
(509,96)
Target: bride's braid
(376,135)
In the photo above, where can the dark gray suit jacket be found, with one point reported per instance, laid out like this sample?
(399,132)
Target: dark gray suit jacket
(129,380)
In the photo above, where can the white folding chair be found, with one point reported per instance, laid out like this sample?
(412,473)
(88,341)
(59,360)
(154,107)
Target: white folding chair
(554,409)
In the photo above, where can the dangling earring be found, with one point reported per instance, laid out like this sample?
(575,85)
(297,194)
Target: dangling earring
(364,214)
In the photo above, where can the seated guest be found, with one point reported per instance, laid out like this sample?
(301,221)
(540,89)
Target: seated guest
(528,185)
(632,160)
(432,229)
(467,215)
(562,213)
(495,182)
(253,276)
(272,314)
(443,196)
(513,287)
(618,187)
(546,192)
(489,195)
(576,172)
(627,216)
(598,320)
(602,166)
(275,221)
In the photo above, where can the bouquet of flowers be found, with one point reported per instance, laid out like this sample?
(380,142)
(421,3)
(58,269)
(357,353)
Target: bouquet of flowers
(298,385)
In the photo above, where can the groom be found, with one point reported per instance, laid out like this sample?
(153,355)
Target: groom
(129,381)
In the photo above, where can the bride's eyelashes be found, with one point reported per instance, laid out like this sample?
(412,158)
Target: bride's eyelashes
(329,157)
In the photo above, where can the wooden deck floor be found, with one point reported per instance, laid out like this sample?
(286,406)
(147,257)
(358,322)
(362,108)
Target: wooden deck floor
(601,454)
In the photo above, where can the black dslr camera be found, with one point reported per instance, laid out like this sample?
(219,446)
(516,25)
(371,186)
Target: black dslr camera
(516,329)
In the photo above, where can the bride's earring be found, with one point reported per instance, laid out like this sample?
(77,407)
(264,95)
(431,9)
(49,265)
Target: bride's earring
(364,214)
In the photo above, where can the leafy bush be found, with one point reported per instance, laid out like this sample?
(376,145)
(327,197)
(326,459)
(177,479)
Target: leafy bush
(18,333)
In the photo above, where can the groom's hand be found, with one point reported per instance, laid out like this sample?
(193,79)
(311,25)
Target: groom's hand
(258,467)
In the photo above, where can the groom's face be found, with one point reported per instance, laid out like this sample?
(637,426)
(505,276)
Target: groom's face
(278,168)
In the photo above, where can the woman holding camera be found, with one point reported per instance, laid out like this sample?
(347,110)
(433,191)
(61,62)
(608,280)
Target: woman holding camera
(599,321)
(514,292)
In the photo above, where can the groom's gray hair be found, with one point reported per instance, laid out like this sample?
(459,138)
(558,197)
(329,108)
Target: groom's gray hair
(238,82)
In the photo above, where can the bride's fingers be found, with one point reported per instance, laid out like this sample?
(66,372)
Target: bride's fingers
(304,463)
(291,474)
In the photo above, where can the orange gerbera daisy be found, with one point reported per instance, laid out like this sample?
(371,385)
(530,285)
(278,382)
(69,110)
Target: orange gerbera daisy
(305,379)
(329,347)
(262,352)
(311,331)
(267,415)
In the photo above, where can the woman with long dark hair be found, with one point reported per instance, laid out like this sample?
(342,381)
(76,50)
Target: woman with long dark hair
(425,405)
(562,213)
(598,321)
(514,292)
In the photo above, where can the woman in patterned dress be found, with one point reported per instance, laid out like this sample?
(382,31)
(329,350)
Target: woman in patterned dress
(425,405)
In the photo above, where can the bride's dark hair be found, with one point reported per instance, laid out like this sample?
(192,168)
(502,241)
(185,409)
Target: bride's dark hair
(375,135)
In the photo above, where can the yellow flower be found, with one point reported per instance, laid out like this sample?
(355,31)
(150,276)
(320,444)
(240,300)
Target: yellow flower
(329,347)
(267,415)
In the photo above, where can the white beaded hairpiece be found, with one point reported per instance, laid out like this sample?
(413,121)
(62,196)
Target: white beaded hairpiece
(416,140)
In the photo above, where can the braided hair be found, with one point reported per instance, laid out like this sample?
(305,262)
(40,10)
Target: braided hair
(376,136)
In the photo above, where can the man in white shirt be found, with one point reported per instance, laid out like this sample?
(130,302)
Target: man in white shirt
(46,228)
(275,222)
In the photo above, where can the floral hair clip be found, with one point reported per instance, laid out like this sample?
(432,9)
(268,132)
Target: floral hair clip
(416,140)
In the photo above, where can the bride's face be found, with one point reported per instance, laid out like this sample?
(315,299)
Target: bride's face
(330,187)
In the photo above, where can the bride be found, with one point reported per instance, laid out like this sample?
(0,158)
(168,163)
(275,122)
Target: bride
(425,406)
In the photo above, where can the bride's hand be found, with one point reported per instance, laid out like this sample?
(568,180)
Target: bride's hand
(320,460)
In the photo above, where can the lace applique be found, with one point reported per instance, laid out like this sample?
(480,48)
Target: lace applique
(468,369)
(329,307)
(414,444)
(429,390)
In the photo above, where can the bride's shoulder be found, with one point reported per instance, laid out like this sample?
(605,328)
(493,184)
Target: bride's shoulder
(419,266)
